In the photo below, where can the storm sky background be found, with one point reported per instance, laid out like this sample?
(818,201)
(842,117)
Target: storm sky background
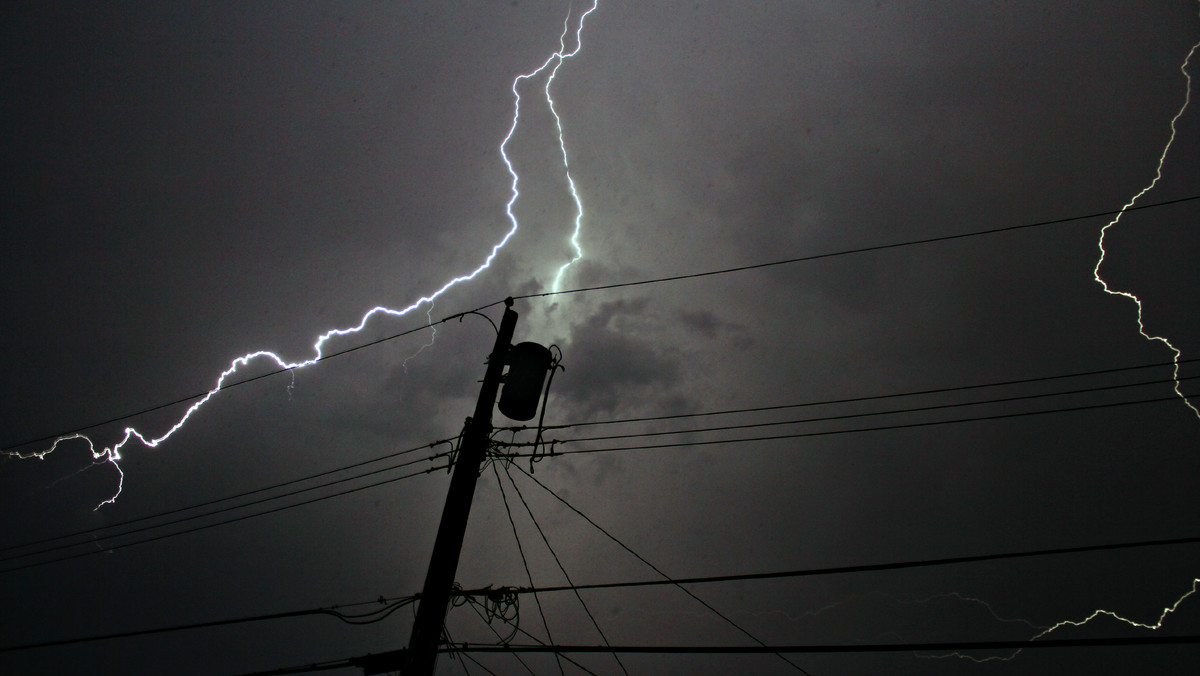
(189,182)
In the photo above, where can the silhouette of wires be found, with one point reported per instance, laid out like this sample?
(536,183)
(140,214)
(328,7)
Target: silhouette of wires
(516,628)
(561,568)
(524,560)
(386,608)
(841,417)
(105,531)
(657,280)
(858,568)
(895,395)
(639,557)
(860,250)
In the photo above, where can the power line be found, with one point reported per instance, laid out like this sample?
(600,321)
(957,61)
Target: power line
(864,398)
(517,628)
(466,656)
(389,606)
(182,400)
(223,510)
(177,510)
(895,411)
(569,452)
(866,249)
(562,568)
(657,280)
(225,522)
(474,606)
(388,603)
(824,433)
(524,561)
(109,527)
(841,570)
(939,646)
(333,665)
(666,577)
(193,517)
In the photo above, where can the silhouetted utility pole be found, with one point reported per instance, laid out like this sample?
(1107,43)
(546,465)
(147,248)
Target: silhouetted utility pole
(528,365)
(435,596)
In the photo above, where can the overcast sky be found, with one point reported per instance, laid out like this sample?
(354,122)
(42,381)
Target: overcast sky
(190,182)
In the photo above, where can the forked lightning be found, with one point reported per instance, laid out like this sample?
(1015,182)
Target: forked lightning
(112,454)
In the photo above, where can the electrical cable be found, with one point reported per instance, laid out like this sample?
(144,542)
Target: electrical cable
(497,604)
(943,646)
(606,450)
(531,637)
(562,568)
(474,606)
(449,643)
(863,398)
(466,656)
(896,411)
(940,646)
(859,568)
(524,561)
(223,510)
(348,663)
(898,426)
(639,557)
(845,252)
(96,531)
(390,606)
(866,249)
(391,603)
(100,529)
(223,523)
(183,400)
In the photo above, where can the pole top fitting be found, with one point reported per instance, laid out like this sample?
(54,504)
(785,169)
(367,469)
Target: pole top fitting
(508,302)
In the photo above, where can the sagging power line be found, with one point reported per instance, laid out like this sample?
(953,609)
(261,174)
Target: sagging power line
(108,531)
(12,446)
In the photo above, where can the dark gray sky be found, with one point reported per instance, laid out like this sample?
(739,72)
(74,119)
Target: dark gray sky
(190,182)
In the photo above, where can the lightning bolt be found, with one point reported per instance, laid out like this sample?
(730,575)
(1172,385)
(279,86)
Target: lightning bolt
(432,339)
(1152,626)
(112,454)
(562,144)
(1162,158)
(553,63)
(1176,355)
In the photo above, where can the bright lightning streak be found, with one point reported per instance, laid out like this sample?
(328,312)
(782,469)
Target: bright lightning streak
(112,454)
(563,146)
(432,340)
(1104,231)
(1162,158)
(557,60)
(1152,626)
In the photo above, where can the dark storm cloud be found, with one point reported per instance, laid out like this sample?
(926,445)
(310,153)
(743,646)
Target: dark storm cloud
(702,322)
(613,364)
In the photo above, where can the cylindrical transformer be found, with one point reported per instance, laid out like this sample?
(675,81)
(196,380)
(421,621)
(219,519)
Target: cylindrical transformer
(527,367)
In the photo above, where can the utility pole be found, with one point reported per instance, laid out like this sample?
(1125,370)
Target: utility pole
(443,564)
